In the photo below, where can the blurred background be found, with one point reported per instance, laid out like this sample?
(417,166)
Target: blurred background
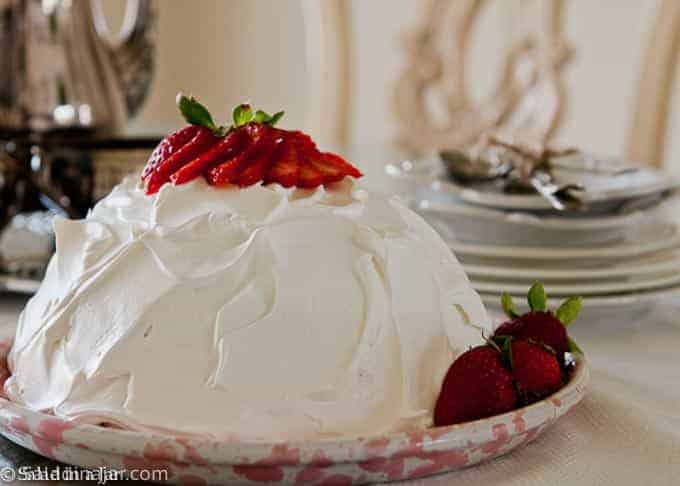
(226,51)
(88,88)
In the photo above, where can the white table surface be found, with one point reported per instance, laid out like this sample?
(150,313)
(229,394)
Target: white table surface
(625,432)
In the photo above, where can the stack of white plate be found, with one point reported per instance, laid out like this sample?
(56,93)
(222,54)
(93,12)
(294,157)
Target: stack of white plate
(622,254)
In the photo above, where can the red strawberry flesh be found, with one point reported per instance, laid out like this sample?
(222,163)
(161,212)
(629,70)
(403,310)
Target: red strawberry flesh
(309,176)
(476,386)
(168,146)
(285,170)
(303,141)
(342,165)
(330,172)
(225,149)
(261,136)
(201,142)
(260,164)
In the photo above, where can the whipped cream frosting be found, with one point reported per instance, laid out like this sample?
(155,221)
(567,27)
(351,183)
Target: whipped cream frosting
(256,313)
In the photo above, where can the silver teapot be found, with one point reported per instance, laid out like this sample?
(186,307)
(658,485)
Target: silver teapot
(60,69)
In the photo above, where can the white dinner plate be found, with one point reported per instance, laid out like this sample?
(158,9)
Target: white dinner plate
(649,267)
(603,192)
(653,239)
(581,288)
(471,224)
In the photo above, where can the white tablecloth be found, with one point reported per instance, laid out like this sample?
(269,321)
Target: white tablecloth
(625,432)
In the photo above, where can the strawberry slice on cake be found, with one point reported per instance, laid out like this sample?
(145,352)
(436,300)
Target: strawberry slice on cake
(250,151)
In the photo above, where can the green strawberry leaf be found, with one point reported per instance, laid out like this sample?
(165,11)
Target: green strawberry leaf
(536,297)
(274,119)
(264,117)
(197,114)
(573,347)
(508,305)
(194,112)
(568,311)
(243,114)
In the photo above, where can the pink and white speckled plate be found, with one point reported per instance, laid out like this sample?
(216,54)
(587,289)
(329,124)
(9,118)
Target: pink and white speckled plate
(337,462)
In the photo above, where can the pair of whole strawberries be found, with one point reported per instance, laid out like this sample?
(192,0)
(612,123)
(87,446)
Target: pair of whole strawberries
(524,361)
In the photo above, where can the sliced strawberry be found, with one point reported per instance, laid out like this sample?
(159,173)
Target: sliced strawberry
(201,142)
(309,177)
(228,172)
(260,164)
(330,172)
(169,145)
(285,170)
(249,151)
(332,166)
(302,140)
(225,149)
(342,165)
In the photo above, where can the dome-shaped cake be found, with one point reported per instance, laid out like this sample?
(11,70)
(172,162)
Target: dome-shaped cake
(251,312)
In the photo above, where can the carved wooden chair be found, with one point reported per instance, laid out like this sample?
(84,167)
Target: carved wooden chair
(327,34)
(529,99)
(648,131)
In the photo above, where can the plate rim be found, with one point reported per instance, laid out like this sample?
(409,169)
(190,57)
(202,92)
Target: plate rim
(355,449)
(430,173)
(573,274)
(583,288)
(522,252)
(529,219)
(534,201)
(605,301)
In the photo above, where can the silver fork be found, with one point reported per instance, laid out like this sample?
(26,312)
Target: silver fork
(561,198)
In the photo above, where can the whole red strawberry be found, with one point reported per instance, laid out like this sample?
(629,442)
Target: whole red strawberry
(509,328)
(540,324)
(536,370)
(477,385)
(542,327)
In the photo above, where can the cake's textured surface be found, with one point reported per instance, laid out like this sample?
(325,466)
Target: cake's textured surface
(261,312)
